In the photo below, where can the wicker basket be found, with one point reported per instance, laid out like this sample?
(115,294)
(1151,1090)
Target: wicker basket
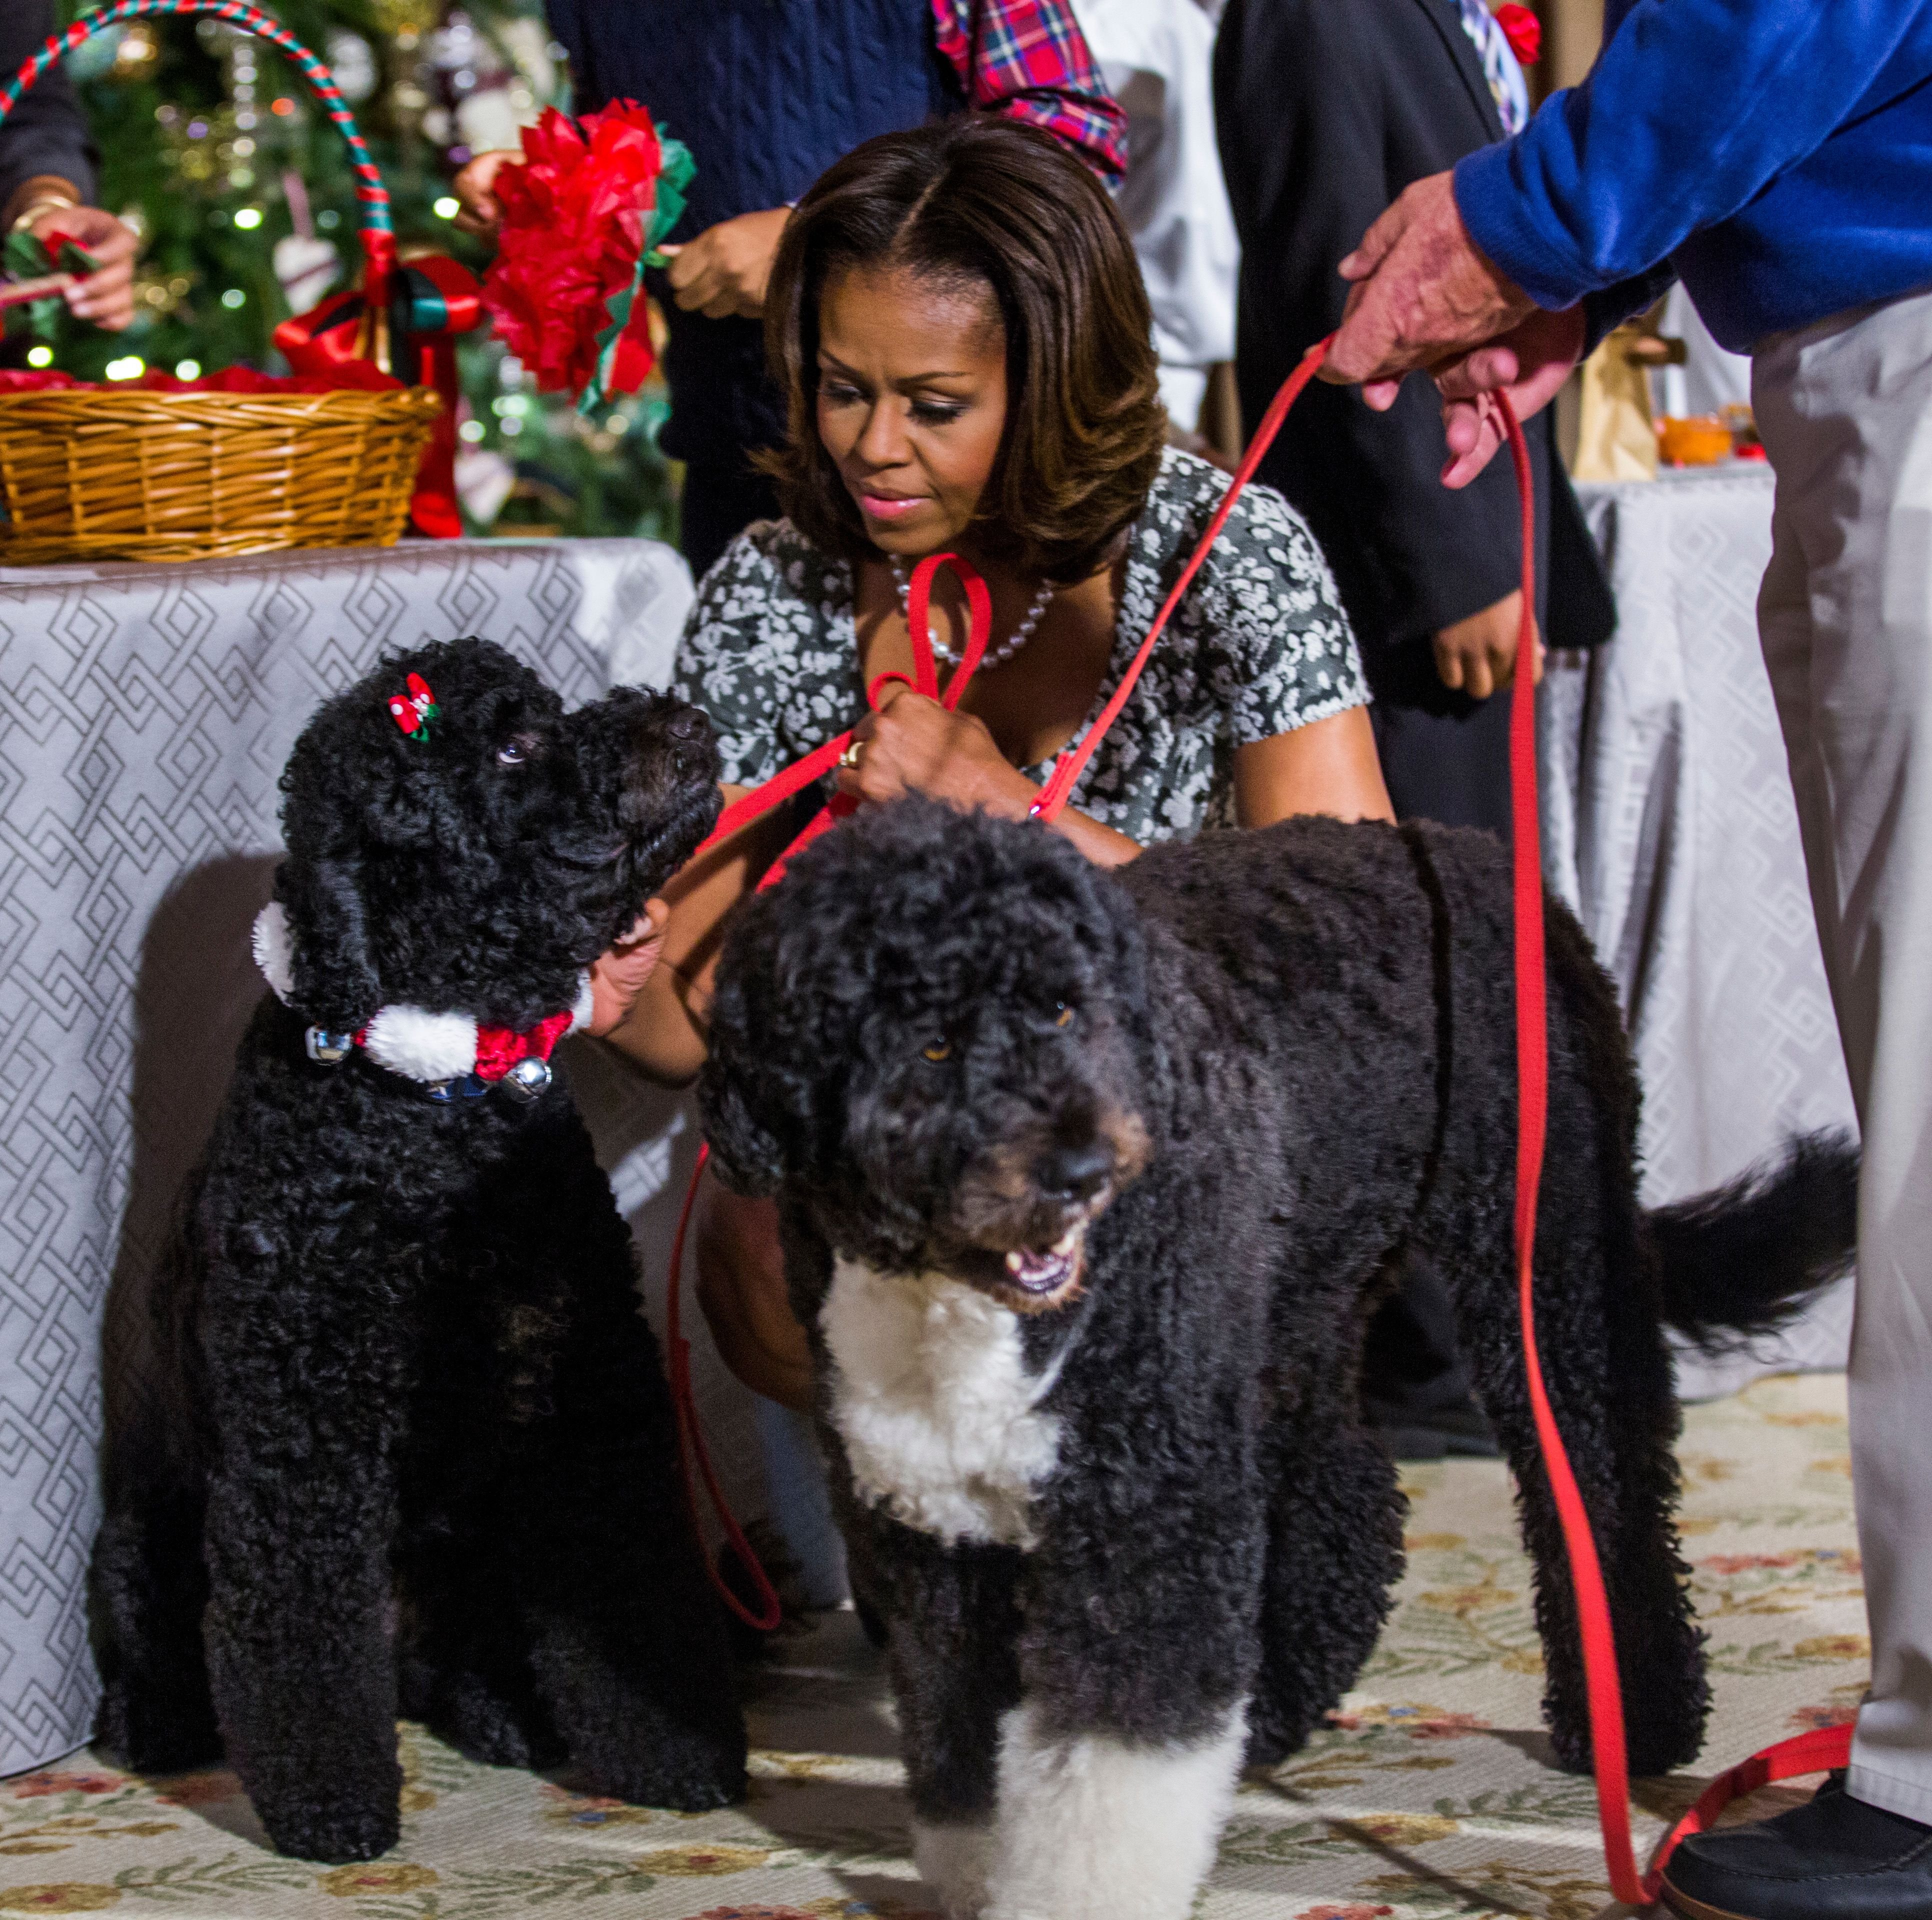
(189,476)
(112,473)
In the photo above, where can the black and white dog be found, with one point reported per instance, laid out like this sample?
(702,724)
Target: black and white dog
(1088,1182)
(410,1447)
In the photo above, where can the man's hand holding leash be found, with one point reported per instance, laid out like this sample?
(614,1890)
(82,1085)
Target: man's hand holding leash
(1426,297)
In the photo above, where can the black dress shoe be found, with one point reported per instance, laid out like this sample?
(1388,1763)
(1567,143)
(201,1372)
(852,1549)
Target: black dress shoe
(1418,1391)
(1833,1858)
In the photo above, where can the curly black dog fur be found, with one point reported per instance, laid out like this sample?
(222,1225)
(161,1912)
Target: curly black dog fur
(412,1450)
(1177,1125)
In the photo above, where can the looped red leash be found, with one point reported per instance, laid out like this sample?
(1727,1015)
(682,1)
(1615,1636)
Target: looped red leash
(1814,1752)
(693,1456)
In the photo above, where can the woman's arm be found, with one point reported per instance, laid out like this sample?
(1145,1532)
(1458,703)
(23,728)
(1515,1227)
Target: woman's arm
(664,1031)
(1328,766)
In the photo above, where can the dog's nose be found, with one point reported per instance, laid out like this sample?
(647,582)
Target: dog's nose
(676,736)
(1074,1173)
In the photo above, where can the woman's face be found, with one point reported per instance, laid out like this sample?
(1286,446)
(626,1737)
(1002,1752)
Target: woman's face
(912,401)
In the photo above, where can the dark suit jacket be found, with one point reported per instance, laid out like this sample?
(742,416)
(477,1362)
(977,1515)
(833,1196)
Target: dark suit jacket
(46,133)
(1327,110)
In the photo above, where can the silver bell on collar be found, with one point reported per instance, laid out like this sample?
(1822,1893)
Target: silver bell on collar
(527,1079)
(327,1049)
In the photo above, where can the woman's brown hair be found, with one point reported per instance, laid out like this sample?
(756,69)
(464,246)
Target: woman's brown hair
(972,200)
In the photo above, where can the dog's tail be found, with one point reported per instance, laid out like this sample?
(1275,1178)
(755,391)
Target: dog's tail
(1744,1259)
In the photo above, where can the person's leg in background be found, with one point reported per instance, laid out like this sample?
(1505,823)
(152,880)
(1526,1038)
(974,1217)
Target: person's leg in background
(1445,757)
(1845,410)
(719,500)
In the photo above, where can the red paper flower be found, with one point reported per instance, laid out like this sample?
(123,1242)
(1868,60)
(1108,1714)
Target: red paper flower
(576,217)
(1522,30)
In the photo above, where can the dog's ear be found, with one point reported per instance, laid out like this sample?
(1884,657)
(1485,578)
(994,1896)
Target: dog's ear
(742,1097)
(747,1156)
(335,980)
(320,884)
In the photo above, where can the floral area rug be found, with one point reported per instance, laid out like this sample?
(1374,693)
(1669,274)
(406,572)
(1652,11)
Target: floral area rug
(1431,1794)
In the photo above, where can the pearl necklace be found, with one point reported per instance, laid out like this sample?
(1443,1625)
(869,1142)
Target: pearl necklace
(995,656)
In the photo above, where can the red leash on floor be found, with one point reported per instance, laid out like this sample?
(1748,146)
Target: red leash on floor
(1814,1752)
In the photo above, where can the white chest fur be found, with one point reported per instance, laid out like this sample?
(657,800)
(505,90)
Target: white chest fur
(932,1397)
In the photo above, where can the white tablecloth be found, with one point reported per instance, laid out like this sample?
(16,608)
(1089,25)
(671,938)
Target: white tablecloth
(1669,825)
(145,716)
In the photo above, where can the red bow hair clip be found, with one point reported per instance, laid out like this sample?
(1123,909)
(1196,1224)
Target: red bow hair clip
(413,711)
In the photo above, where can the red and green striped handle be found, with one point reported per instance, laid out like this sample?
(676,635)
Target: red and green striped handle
(379,242)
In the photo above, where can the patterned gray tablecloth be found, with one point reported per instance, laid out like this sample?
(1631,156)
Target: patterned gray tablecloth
(145,715)
(1669,825)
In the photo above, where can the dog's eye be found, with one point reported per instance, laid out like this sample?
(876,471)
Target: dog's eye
(1062,1015)
(937,1050)
(514,752)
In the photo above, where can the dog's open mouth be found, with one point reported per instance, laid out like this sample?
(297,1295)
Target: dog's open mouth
(1041,1274)
(1033,1279)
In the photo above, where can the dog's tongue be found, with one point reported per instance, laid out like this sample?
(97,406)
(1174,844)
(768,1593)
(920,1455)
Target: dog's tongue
(1039,1273)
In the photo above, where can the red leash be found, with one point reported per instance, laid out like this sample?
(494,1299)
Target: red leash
(1815,1752)
(693,1456)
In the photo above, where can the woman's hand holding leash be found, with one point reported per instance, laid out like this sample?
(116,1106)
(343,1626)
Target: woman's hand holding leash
(911,744)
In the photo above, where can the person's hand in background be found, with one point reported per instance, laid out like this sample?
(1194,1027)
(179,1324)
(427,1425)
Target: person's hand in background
(725,271)
(105,298)
(1477,655)
(481,212)
(617,977)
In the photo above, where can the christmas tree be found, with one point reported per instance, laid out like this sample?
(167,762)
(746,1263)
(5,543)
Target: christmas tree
(214,150)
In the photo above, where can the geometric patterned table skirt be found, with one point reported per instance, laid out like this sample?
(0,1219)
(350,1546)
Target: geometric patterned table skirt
(1669,825)
(145,715)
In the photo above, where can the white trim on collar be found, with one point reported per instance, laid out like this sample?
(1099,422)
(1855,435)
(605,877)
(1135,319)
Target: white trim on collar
(409,1040)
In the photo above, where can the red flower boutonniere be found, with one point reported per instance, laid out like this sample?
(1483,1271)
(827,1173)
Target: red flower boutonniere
(413,711)
(1522,30)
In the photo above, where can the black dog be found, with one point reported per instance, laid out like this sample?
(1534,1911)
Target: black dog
(1088,1182)
(410,1448)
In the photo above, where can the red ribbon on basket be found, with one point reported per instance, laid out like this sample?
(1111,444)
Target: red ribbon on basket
(431,300)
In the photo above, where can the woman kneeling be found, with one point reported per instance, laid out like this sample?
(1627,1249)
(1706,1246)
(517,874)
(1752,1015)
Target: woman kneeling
(958,319)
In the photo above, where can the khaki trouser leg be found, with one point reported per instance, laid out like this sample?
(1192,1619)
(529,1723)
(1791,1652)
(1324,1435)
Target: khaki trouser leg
(1845,409)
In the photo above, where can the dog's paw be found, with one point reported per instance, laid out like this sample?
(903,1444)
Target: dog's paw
(687,1772)
(956,1861)
(336,1835)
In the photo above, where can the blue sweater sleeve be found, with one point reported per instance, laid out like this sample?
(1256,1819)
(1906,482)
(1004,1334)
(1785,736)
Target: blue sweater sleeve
(1692,109)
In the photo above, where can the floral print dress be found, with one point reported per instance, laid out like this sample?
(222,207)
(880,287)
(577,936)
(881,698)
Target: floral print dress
(1259,646)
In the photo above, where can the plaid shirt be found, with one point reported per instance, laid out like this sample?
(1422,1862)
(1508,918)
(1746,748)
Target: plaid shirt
(1029,59)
